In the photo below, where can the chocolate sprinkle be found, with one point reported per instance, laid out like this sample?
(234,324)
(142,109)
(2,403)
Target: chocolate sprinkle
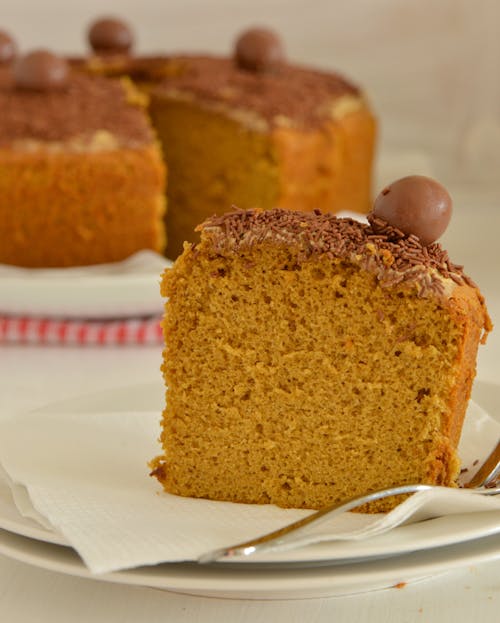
(110,35)
(395,258)
(88,105)
(259,50)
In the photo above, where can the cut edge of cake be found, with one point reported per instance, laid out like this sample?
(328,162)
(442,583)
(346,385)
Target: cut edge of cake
(320,249)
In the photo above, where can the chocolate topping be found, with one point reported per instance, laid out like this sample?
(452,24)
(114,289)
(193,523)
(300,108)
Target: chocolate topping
(301,96)
(41,71)
(8,48)
(109,35)
(259,50)
(88,105)
(416,205)
(394,257)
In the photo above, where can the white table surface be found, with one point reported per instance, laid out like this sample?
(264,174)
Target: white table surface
(446,101)
(33,376)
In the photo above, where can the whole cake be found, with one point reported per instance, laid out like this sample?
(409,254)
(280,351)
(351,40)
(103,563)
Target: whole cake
(310,358)
(256,131)
(252,129)
(81,174)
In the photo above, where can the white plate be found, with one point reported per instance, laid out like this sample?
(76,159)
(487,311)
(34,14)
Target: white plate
(263,582)
(118,290)
(425,535)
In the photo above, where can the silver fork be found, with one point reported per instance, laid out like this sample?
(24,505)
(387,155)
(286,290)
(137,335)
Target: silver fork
(484,482)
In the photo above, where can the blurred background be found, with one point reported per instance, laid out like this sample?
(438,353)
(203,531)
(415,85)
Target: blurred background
(430,67)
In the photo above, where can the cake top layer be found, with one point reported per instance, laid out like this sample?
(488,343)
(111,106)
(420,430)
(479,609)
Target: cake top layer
(294,94)
(148,69)
(88,105)
(394,257)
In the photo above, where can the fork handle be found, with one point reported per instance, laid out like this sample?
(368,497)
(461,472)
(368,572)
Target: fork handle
(278,537)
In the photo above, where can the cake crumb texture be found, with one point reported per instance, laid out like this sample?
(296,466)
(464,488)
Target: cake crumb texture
(301,377)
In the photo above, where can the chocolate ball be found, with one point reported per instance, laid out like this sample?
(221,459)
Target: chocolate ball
(41,71)
(416,205)
(259,50)
(110,36)
(8,48)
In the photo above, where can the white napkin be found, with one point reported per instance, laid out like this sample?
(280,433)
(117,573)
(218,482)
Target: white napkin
(87,475)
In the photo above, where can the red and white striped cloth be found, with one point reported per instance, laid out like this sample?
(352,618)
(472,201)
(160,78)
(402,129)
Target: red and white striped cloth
(73,332)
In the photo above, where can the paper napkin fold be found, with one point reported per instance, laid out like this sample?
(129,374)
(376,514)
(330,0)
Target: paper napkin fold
(87,475)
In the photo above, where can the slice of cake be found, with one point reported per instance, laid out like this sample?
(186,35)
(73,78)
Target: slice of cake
(311,358)
(256,131)
(81,175)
